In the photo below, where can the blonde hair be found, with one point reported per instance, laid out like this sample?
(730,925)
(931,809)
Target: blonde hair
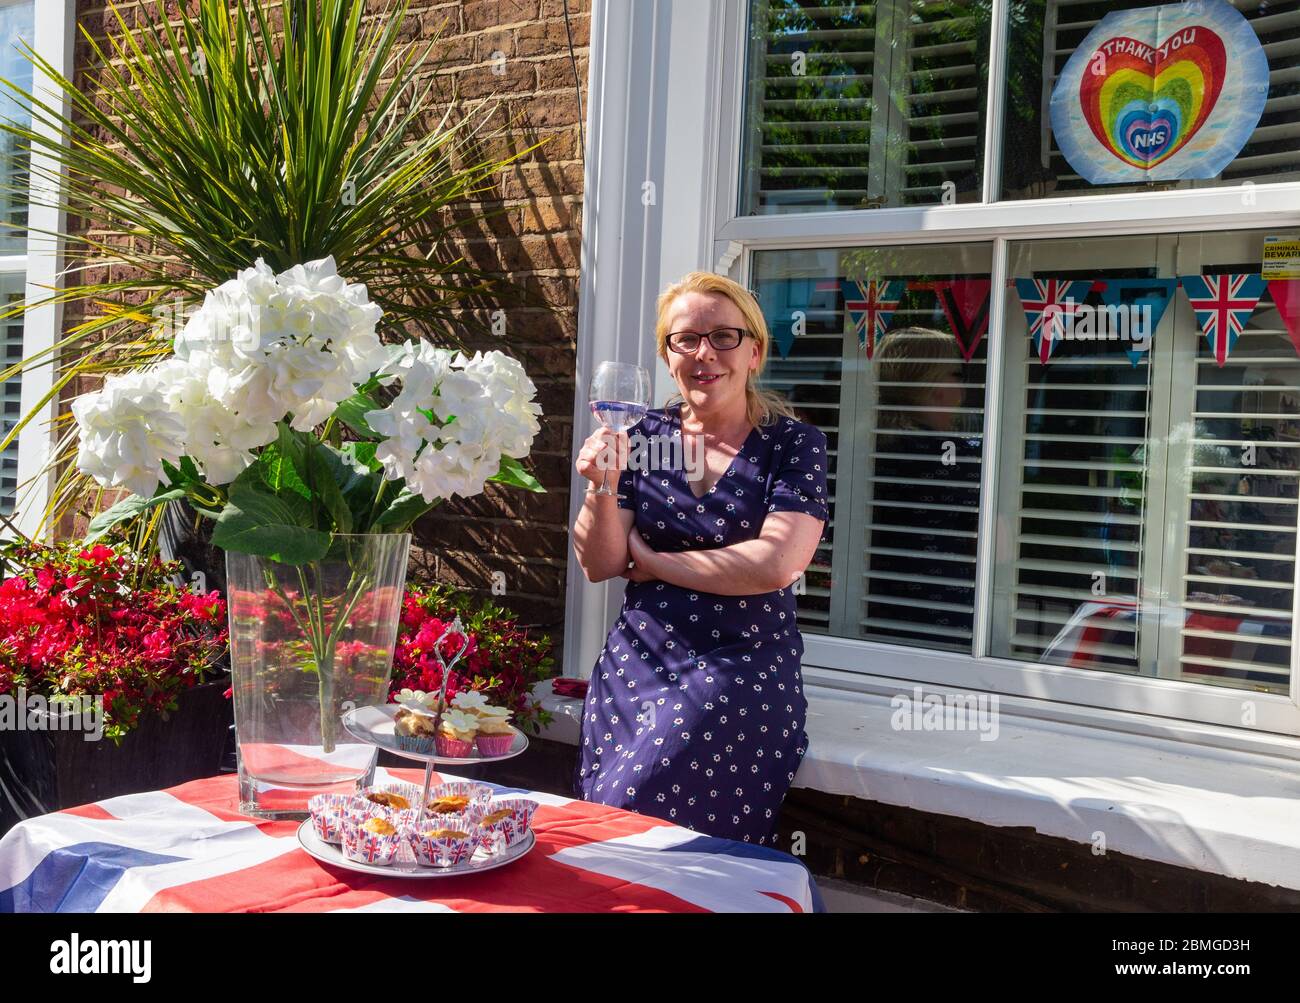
(763,406)
(916,357)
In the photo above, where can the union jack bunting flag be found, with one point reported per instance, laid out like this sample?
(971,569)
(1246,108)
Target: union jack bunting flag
(1223,305)
(1146,300)
(1046,302)
(869,305)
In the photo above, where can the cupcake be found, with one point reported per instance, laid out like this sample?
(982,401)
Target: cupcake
(371,840)
(415,731)
(394,798)
(448,805)
(505,823)
(327,812)
(495,736)
(495,816)
(491,712)
(387,799)
(379,826)
(444,846)
(455,737)
(456,797)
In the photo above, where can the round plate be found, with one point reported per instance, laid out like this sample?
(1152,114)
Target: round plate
(330,853)
(375,725)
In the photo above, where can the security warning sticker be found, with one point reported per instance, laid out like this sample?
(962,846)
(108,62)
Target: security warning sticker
(1281,258)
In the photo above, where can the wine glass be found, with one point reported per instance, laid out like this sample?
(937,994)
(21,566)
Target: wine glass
(620,394)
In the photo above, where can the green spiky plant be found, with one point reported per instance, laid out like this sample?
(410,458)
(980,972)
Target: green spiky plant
(226,136)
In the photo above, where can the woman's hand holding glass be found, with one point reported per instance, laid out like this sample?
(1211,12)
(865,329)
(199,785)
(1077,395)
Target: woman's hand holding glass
(620,394)
(604,454)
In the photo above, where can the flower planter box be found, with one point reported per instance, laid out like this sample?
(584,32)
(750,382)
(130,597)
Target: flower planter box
(44,771)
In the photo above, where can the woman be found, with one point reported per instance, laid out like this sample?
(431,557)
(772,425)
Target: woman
(921,559)
(695,712)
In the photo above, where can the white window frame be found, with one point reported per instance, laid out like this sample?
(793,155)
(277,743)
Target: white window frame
(666,106)
(54,24)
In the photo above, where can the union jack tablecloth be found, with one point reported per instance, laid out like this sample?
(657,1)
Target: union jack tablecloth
(1223,636)
(187,849)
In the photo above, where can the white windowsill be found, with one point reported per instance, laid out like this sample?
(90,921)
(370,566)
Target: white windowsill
(566,725)
(1211,809)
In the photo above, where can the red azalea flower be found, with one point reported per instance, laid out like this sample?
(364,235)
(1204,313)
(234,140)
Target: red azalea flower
(99,554)
(500,660)
(66,627)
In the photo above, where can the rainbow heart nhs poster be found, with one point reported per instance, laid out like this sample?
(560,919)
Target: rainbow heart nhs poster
(1160,94)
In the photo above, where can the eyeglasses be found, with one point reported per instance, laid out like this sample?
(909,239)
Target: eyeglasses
(724,339)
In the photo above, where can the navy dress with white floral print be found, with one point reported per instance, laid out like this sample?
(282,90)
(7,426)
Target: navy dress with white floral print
(695,711)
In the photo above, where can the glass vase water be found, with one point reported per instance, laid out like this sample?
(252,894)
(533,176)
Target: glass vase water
(307,644)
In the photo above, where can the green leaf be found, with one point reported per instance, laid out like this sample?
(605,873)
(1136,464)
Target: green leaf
(352,413)
(512,472)
(259,523)
(347,464)
(299,506)
(361,456)
(357,474)
(404,510)
(361,500)
(184,474)
(284,463)
(174,476)
(326,470)
(126,509)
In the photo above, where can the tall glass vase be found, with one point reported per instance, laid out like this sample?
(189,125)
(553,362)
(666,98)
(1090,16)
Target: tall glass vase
(307,644)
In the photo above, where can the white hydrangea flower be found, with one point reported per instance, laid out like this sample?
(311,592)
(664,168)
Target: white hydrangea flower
(463,467)
(485,408)
(127,429)
(264,348)
(513,424)
(261,347)
(215,438)
(294,344)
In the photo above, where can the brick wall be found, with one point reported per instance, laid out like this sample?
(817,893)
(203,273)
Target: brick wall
(536,246)
(533,245)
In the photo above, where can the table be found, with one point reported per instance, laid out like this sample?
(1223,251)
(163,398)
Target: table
(187,849)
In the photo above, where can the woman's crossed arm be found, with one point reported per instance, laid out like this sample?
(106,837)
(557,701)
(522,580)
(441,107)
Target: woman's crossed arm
(773,560)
